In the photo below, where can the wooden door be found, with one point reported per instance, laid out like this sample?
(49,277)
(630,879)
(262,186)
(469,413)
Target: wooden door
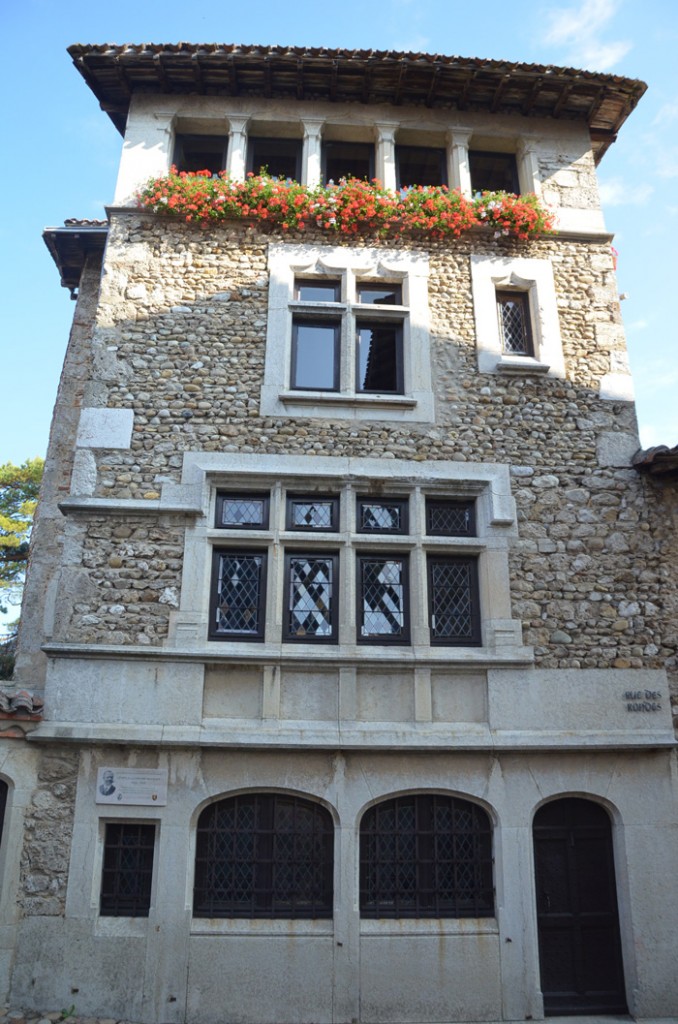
(577,919)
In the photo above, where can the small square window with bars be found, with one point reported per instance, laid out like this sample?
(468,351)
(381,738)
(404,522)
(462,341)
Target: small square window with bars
(127,871)
(515,329)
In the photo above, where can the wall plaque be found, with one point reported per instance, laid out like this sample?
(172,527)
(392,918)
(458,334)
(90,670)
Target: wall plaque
(141,787)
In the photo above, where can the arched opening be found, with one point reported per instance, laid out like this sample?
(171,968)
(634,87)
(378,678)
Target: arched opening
(264,855)
(577,919)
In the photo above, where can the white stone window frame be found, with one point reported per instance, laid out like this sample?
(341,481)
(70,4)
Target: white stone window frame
(533,277)
(352,266)
(496,530)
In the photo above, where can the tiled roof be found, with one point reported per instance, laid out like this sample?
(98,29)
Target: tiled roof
(116,72)
(71,244)
(659,461)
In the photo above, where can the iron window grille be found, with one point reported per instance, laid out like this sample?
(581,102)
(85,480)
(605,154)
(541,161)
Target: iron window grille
(127,872)
(280,158)
(200,152)
(310,513)
(311,589)
(242,511)
(493,172)
(515,327)
(383,599)
(420,165)
(238,591)
(426,856)
(449,518)
(453,601)
(382,515)
(264,855)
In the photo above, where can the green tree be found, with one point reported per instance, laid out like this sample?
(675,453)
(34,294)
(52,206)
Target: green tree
(19,487)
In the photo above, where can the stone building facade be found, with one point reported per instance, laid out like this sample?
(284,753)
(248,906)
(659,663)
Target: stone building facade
(357,702)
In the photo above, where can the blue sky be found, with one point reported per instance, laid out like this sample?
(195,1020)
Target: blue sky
(67,162)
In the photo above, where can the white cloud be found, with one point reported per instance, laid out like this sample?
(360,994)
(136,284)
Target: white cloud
(617,192)
(577,30)
(667,113)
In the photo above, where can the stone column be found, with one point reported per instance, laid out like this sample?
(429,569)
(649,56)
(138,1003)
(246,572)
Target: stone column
(458,170)
(385,163)
(311,164)
(146,152)
(237,148)
(528,167)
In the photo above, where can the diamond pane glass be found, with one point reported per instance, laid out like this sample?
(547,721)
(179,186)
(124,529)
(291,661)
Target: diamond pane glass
(382,597)
(426,856)
(242,512)
(312,515)
(451,600)
(239,593)
(264,855)
(450,518)
(311,583)
(127,870)
(381,517)
(514,323)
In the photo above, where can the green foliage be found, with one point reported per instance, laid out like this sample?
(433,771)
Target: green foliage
(19,487)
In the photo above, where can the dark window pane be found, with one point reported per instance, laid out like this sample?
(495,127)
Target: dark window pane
(493,172)
(311,590)
(315,362)
(127,870)
(4,789)
(382,516)
(426,856)
(453,598)
(450,518)
(200,153)
(514,323)
(348,160)
(239,588)
(380,358)
(312,513)
(264,855)
(382,597)
(419,165)
(380,294)
(281,158)
(242,511)
(317,291)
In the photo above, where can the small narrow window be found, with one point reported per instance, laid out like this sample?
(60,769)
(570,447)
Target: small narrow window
(317,290)
(493,172)
(446,518)
(238,595)
(280,158)
(201,153)
(379,294)
(307,513)
(127,870)
(311,586)
(315,355)
(420,165)
(347,160)
(377,515)
(242,511)
(3,805)
(264,855)
(515,328)
(379,358)
(453,601)
(382,599)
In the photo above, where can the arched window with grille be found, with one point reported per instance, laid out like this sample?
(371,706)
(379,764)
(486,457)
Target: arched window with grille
(264,855)
(426,855)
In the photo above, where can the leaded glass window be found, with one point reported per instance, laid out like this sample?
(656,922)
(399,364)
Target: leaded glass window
(264,855)
(453,600)
(446,518)
(238,598)
(311,588)
(426,856)
(515,328)
(306,513)
(242,511)
(127,871)
(383,599)
(387,515)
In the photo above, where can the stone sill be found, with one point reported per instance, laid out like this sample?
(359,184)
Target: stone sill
(360,736)
(131,506)
(332,398)
(522,366)
(225,652)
